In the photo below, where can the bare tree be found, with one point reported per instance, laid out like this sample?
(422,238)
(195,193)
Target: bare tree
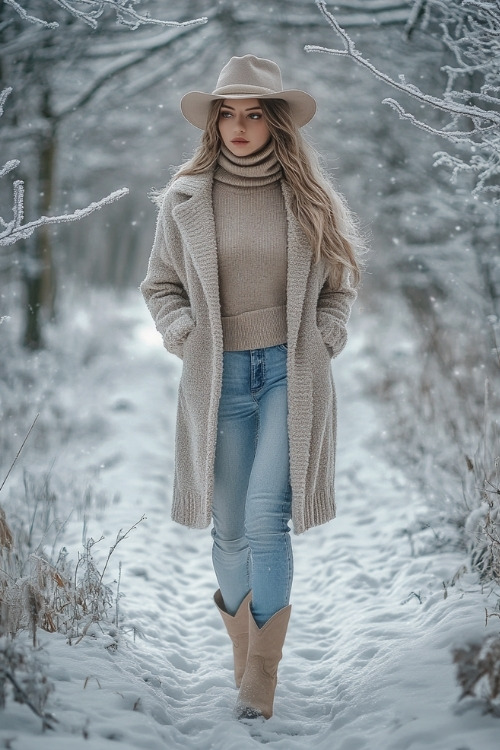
(470,31)
(39,59)
(14,230)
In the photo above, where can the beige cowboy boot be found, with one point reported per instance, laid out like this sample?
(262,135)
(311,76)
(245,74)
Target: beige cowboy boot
(237,628)
(256,696)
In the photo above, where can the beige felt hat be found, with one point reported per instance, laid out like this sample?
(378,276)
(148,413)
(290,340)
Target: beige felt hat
(248,77)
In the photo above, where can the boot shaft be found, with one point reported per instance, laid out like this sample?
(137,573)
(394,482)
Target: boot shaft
(265,646)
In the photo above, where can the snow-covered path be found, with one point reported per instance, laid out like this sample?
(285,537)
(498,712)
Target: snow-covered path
(367,662)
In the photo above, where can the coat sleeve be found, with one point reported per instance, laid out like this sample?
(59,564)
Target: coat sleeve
(164,288)
(332,315)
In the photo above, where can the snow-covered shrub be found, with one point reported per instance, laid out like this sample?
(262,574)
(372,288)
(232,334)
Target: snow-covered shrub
(483,530)
(443,421)
(478,671)
(23,677)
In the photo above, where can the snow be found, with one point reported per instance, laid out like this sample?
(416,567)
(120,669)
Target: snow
(367,662)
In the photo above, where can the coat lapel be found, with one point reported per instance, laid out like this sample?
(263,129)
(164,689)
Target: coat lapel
(196,222)
(300,401)
(299,264)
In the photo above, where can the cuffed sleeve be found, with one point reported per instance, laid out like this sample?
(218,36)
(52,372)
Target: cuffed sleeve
(333,312)
(163,289)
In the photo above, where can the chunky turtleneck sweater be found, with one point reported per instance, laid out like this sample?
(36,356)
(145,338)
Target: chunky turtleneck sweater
(251,231)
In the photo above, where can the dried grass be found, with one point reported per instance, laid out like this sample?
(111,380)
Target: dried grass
(41,592)
(55,595)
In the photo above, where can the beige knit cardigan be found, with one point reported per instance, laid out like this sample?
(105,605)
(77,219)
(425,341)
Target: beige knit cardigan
(181,290)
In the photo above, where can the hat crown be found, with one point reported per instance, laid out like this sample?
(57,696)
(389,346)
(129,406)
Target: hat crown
(250,72)
(248,77)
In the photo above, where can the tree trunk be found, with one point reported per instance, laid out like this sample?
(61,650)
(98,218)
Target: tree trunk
(32,326)
(46,177)
(39,277)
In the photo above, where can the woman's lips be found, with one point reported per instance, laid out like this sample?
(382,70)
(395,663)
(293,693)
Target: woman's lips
(239,140)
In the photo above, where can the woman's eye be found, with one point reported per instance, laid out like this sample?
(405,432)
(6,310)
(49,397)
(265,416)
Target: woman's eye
(251,115)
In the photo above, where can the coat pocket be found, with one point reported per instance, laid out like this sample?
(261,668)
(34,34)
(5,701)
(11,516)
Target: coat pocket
(333,333)
(177,333)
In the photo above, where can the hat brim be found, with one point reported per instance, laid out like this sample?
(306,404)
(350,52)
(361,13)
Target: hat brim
(195,105)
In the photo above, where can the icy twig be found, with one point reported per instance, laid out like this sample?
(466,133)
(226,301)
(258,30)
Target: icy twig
(8,167)
(457,136)
(15,230)
(125,14)
(118,595)
(119,538)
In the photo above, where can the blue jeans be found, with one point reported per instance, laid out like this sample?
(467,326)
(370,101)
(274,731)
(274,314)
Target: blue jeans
(252,491)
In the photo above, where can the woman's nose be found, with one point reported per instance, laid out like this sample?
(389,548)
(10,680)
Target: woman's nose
(240,123)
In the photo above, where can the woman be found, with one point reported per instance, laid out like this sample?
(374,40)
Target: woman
(250,282)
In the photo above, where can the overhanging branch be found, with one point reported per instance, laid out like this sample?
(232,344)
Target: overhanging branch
(125,14)
(476,114)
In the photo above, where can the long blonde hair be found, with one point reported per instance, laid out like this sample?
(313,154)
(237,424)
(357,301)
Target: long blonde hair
(322,212)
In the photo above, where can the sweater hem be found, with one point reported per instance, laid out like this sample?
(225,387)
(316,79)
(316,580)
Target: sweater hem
(255,329)
(317,510)
(190,509)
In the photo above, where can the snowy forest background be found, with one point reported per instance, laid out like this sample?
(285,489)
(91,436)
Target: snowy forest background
(91,106)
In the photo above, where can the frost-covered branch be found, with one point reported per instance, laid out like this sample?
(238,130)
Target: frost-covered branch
(27,17)
(90,12)
(14,230)
(456,136)
(125,13)
(470,29)
(453,108)
(46,49)
(3,97)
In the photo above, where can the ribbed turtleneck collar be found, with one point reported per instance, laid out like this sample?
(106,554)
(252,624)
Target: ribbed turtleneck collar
(255,170)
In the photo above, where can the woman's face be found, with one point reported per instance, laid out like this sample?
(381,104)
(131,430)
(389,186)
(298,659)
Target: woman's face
(242,126)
